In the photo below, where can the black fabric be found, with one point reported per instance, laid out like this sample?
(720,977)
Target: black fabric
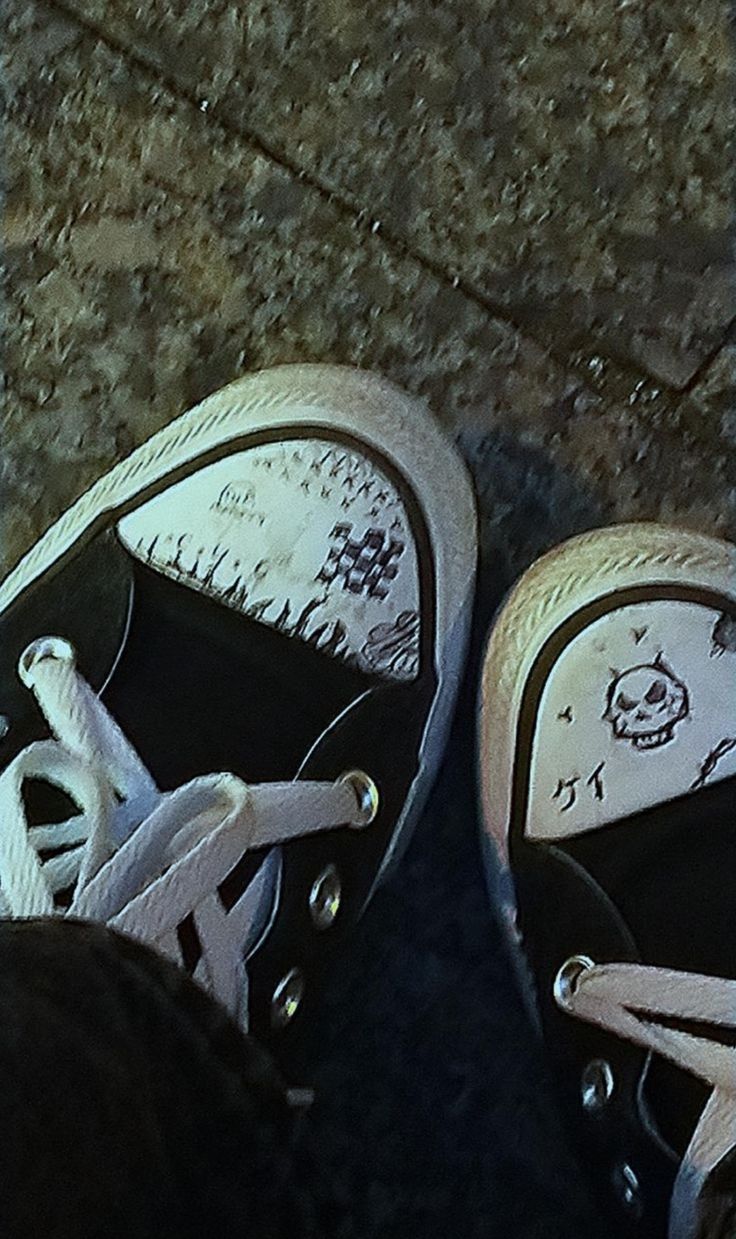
(664,870)
(130,1106)
(201,688)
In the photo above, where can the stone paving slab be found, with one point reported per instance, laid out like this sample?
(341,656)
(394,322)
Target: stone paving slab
(569,161)
(152,256)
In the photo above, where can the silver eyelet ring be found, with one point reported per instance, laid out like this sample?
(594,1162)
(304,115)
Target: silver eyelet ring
(287,998)
(627,1187)
(596,1085)
(4,726)
(366,794)
(567,978)
(56,648)
(325,897)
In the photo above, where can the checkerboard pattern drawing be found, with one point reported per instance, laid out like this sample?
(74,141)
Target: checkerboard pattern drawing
(367,565)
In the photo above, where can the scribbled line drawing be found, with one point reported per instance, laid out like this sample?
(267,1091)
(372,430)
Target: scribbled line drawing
(317,473)
(257,610)
(356,476)
(566,790)
(216,562)
(566,715)
(639,634)
(566,786)
(199,569)
(327,637)
(235,499)
(595,781)
(393,648)
(365,566)
(723,636)
(645,703)
(238,499)
(146,552)
(709,763)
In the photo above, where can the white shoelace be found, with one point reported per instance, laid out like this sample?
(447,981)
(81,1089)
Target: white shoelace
(628,999)
(138,859)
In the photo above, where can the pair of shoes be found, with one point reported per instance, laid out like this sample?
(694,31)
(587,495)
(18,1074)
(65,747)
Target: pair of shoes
(227,675)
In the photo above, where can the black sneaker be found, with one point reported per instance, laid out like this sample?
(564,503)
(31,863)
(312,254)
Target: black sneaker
(608,770)
(246,641)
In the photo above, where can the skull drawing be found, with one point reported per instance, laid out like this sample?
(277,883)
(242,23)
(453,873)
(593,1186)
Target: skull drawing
(645,703)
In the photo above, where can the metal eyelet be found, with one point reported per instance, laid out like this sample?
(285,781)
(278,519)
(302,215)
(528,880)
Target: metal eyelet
(567,978)
(366,794)
(287,998)
(627,1187)
(56,648)
(4,726)
(325,897)
(596,1085)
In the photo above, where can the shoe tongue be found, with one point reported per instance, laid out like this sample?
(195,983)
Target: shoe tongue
(638,709)
(305,536)
(670,872)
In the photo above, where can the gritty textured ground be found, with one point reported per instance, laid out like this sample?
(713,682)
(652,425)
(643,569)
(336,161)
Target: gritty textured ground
(522,211)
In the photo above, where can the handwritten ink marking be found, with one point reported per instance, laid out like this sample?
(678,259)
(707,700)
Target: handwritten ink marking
(709,763)
(176,563)
(723,636)
(566,785)
(364,566)
(258,609)
(208,577)
(596,782)
(645,704)
(283,616)
(394,648)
